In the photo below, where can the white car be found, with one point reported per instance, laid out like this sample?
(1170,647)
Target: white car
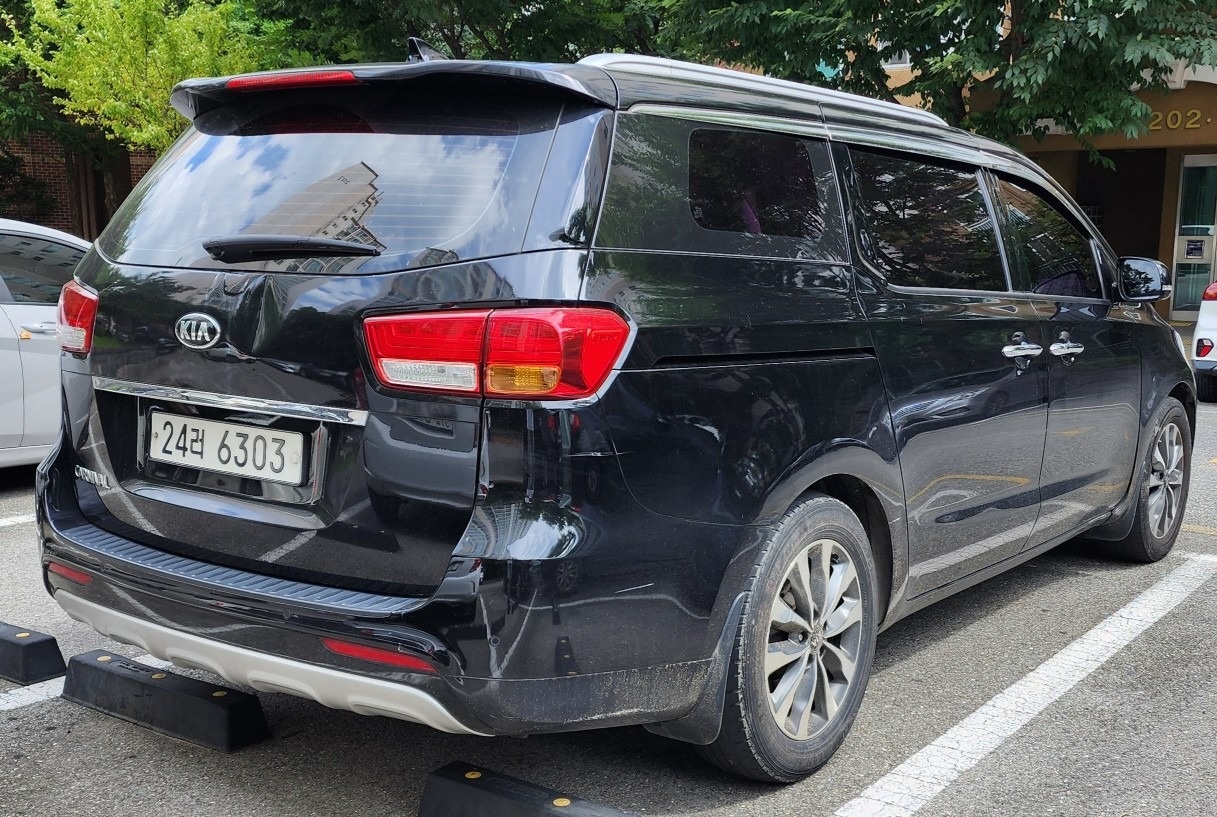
(35,263)
(1204,355)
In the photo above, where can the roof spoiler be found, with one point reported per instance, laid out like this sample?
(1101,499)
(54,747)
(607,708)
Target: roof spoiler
(195,97)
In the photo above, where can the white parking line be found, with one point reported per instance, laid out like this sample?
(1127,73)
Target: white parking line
(919,779)
(9,521)
(32,694)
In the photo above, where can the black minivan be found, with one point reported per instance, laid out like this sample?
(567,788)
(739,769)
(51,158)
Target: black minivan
(514,398)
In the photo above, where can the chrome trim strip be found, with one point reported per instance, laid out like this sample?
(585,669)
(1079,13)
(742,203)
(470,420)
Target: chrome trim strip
(329,414)
(779,124)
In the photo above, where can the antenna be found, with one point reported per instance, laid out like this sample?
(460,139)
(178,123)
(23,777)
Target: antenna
(422,51)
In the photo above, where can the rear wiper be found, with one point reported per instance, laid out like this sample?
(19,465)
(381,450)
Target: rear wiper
(234,249)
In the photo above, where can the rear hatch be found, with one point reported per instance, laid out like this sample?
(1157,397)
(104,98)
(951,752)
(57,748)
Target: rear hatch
(233,403)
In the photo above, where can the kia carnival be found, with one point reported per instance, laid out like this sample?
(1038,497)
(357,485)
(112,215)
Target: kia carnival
(510,398)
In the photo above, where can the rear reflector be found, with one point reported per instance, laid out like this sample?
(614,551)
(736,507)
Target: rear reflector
(77,312)
(1203,347)
(555,353)
(292,79)
(1210,292)
(69,573)
(377,655)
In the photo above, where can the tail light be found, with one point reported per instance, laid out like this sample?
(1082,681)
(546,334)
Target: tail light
(554,353)
(1203,347)
(1210,292)
(77,312)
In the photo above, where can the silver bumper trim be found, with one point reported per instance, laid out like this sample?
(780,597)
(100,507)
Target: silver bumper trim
(330,414)
(265,672)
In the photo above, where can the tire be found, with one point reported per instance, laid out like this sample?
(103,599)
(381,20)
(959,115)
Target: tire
(1162,496)
(784,614)
(1206,388)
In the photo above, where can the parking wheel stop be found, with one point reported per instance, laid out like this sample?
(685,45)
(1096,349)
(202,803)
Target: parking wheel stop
(464,790)
(209,715)
(28,656)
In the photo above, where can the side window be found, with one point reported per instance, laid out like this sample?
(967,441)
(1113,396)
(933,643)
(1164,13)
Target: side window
(34,270)
(1050,255)
(755,183)
(925,225)
(691,187)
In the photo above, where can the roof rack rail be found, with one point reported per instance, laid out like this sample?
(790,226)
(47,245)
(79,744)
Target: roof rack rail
(652,66)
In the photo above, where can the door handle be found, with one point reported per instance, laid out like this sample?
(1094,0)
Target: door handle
(1020,348)
(47,328)
(1021,352)
(1065,347)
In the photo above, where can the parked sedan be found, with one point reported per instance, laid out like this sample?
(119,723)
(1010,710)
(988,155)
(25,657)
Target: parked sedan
(35,263)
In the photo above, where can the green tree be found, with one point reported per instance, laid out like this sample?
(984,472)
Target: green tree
(1002,69)
(112,63)
(544,30)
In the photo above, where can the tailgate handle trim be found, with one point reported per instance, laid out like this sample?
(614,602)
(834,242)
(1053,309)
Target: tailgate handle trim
(328,414)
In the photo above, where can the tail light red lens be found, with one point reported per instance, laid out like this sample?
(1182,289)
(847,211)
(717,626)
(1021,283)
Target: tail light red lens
(550,353)
(77,313)
(378,655)
(1203,347)
(440,351)
(1210,292)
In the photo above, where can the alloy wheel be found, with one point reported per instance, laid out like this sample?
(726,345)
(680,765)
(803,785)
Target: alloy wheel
(815,636)
(1166,480)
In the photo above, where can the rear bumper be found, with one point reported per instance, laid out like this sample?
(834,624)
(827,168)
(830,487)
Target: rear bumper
(1202,366)
(266,672)
(268,635)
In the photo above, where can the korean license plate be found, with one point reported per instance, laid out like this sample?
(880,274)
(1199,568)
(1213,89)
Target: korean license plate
(227,448)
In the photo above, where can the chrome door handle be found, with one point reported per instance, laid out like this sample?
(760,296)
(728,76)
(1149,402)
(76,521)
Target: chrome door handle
(1021,348)
(41,328)
(1066,348)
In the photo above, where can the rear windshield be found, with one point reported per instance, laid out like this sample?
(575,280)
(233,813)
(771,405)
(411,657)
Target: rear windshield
(423,176)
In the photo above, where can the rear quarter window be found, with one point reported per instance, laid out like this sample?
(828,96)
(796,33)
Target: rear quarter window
(689,187)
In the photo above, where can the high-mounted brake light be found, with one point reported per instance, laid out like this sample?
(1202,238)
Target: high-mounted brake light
(291,79)
(378,655)
(547,353)
(1210,292)
(77,312)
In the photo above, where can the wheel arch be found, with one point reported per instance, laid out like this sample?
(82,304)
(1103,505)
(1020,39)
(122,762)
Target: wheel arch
(871,486)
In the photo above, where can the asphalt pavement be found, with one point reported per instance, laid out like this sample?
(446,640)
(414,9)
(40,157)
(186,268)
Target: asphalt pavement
(1071,685)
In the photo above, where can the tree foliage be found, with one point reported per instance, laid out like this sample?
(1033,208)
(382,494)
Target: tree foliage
(542,30)
(112,63)
(1001,68)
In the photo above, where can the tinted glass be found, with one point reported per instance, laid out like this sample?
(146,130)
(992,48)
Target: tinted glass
(688,187)
(1051,256)
(35,270)
(428,175)
(925,225)
(755,183)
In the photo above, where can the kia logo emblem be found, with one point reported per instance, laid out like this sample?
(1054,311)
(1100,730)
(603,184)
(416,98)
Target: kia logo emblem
(197,331)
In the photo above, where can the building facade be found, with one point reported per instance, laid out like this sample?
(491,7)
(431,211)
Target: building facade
(1160,201)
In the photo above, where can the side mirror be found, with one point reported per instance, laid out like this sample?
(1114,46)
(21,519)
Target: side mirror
(1143,279)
